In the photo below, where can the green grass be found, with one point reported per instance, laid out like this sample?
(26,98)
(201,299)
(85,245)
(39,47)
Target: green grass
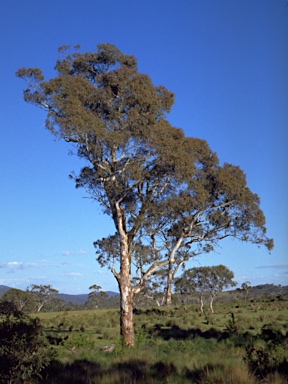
(172,345)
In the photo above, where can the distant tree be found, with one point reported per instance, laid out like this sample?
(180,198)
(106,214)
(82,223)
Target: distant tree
(55,304)
(95,296)
(219,277)
(139,167)
(204,281)
(42,294)
(191,282)
(70,306)
(21,299)
(246,289)
(183,290)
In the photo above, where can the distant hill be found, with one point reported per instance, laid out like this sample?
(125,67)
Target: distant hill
(269,291)
(75,299)
(3,289)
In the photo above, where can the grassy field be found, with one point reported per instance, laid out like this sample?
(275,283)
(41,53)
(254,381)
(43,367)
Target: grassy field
(237,344)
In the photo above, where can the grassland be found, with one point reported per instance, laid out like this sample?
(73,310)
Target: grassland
(245,344)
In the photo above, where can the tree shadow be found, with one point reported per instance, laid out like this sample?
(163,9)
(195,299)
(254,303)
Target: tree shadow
(239,339)
(178,333)
(86,372)
(149,312)
(78,372)
(196,376)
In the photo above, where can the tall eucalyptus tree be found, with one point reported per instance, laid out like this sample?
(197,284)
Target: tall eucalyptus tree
(145,174)
(115,117)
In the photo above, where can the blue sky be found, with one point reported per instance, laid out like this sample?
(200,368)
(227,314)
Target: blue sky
(226,61)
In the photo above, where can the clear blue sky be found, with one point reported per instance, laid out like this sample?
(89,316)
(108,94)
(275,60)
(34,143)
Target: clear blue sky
(227,63)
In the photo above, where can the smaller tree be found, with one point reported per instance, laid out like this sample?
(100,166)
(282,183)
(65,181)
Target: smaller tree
(184,289)
(23,351)
(42,294)
(218,278)
(21,299)
(55,304)
(95,296)
(204,281)
(191,281)
(246,288)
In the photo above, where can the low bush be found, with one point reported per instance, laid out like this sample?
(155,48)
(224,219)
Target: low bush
(23,350)
(264,358)
(79,340)
(266,354)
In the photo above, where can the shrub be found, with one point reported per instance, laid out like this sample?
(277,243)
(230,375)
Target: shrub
(267,353)
(114,321)
(109,335)
(22,349)
(263,359)
(172,323)
(209,319)
(79,340)
(232,326)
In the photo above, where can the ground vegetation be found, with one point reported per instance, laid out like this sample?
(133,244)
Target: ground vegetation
(238,343)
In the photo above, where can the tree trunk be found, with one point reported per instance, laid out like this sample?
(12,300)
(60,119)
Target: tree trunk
(169,285)
(126,298)
(201,303)
(124,282)
(39,307)
(211,303)
(171,274)
(126,314)
(184,304)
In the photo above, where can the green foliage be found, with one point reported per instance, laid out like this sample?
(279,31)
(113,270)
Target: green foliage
(267,352)
(141,335)
(263,358)
(79,340)
(232,326)
(23,351)
(22,300)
